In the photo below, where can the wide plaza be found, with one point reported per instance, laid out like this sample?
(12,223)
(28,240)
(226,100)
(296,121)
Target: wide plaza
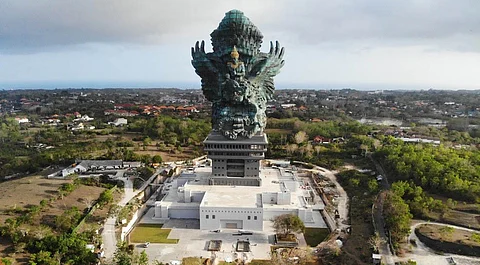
(193,242)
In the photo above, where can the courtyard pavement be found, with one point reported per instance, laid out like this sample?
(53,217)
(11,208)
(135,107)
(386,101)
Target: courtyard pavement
(193,242)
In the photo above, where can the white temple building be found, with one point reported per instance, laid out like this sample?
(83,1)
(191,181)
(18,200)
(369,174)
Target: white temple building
(191,196)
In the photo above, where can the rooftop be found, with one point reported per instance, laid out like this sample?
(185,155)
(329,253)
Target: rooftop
(273,180)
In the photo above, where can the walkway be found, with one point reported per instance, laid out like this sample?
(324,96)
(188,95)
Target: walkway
(342,206)
(108,233)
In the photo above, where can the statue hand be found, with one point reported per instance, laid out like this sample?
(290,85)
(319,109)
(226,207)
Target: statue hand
(198,52)
(275,56)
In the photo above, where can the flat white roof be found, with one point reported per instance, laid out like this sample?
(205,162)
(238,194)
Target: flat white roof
(238,196)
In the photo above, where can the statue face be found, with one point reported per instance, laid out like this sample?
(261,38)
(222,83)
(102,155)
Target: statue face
(239,94)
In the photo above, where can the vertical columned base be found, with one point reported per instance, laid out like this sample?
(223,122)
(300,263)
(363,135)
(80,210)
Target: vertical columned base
(235,162)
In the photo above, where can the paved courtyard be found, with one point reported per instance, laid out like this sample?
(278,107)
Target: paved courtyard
(193,243)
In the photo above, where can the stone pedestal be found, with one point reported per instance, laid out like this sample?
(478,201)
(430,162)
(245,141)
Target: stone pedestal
(235,162)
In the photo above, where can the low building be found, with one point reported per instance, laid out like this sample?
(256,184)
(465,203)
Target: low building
(95,165)
(21,120)
(237,207)
(119,122)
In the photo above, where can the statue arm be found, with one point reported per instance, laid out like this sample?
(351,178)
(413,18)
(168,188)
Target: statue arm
(206,69)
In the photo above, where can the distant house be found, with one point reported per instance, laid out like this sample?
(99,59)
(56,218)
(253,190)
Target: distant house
(119,122)
(419,140)
(78,127)
(94,165)
(338,140)
(21,120)
(86,118)
(321,140)
(302,108)
(83,118)
(287,106)
(121,112)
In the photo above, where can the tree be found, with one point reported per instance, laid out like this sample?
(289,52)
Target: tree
(301,137)
(141,259)
(157,159)
(146,142)
(375,242)
(5,261)
(68,220)
(105,197)
(121,256)
(124,255)
(397,217)
(43,258)
(288,223)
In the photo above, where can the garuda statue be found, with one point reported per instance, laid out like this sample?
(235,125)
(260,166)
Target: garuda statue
(236,77)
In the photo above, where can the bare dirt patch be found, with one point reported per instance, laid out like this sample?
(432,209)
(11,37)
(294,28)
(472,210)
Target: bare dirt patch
(448,239)
(463,214)
(168,156)
(280,131)
(77,199)
(27,191)
(449,234)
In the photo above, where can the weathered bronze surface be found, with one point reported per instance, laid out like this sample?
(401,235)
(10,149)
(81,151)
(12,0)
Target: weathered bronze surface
(236,77)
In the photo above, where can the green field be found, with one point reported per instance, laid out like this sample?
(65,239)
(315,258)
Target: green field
(194,261)
(151,233)
(314,236)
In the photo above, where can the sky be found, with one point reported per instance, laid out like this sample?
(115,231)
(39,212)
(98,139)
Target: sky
(374,44)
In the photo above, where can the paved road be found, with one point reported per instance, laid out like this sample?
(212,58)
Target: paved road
(377,215)
(108,233)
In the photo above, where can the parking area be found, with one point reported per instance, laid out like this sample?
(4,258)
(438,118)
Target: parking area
(194,243)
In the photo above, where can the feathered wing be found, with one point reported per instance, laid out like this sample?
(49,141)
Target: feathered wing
(205,67)
(265,66)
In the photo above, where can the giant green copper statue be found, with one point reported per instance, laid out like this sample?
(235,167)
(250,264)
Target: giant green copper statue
(236,77)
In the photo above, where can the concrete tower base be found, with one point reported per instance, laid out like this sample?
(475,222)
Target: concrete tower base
(235,162)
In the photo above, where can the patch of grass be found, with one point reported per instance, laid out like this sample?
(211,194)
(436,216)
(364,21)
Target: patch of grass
(151,233)
(193,261)
(313,236)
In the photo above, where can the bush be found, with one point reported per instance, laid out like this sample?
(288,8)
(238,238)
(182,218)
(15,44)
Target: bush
(105,197)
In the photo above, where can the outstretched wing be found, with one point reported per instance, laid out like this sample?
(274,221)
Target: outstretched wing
(265,66)
(204,65)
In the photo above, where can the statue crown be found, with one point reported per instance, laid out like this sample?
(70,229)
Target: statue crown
(234,53)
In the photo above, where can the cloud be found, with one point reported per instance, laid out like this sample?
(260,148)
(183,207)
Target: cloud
(33,26)
(38,25)
(441,23)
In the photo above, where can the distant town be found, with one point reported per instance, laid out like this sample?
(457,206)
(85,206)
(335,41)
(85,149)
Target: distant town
(130,173)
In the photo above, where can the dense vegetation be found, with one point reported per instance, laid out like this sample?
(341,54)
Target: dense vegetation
(397,217)
(292,138)
(172,130)
(19,151)
(419,170)
(450,172)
